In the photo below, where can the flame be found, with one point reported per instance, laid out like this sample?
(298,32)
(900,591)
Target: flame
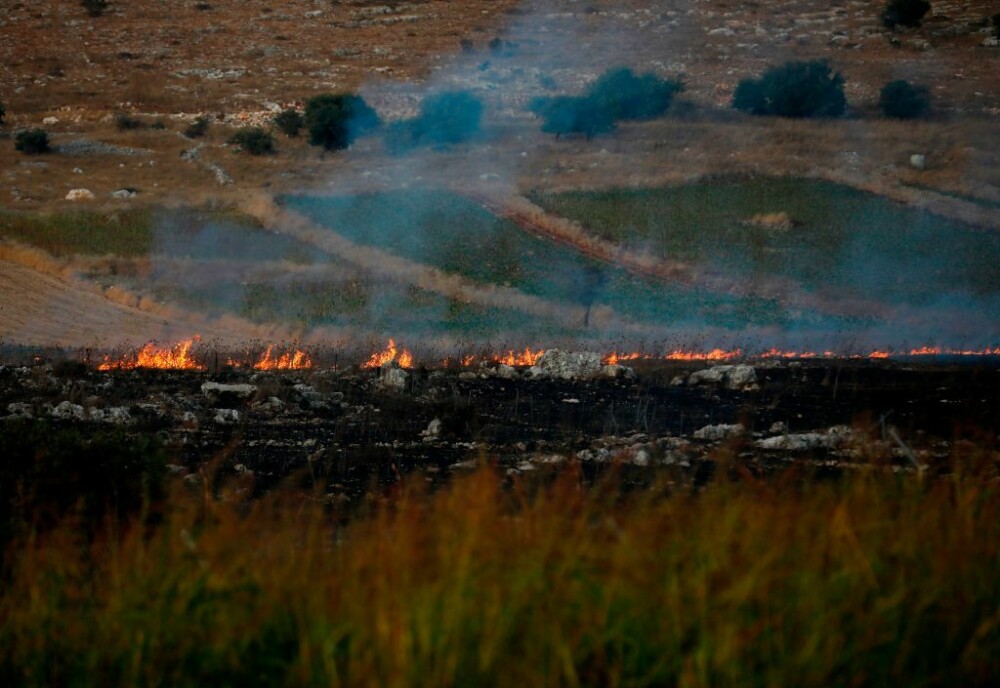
(713,355)
(404,359)
(297,360)
(152,356)
(524,358)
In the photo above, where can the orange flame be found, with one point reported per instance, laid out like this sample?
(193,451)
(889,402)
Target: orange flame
(297,360)
(151,356)
(713,355)
(524,358)
(404,359)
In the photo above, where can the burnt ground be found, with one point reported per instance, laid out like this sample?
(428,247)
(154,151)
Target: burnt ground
(350,429)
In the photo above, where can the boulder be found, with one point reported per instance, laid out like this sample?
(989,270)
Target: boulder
(80,195)
(568,365)
(716,433)
(392,378)
(737,377)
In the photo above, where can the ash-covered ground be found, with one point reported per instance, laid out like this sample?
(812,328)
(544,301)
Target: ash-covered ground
(347,430)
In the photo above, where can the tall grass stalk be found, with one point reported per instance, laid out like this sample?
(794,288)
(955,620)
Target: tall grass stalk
(873,579)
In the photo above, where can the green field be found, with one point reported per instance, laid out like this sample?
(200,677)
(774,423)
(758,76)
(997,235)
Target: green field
(854,242)
(455,234)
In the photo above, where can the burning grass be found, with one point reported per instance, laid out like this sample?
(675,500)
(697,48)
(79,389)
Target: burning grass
(874,578)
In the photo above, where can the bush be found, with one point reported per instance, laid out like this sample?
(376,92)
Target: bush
(902,100)
(619,94)
(572,115)
(32,141)
(904,13)
(125,122)
(795,89)
(335,121)
(95,8)
(3,112)
(198,128)
(255,141)
(630,97)
(290,122)
(445,118)
(996,25)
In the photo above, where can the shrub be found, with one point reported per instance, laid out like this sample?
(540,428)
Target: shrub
(902,100)
(125,122)
(630,97)
(255,141)
(619,94)
(445,118)
(335,121)
(198,128)
(795,89)
(95,8)
(996,25)
(3,112)
(32,141)
(572,115)
(290,122)
(904,13)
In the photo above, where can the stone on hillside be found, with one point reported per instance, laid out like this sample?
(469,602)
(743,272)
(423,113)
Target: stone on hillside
(736,377)
(568,365)
(80,195)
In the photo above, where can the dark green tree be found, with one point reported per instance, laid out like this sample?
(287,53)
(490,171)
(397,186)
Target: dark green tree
(3,112)
(290,122)
(32,141)
(902,100)
(573,115)
(336,120)
(907,13)
(95,8)
(254,140)
(794,89)
(627,96)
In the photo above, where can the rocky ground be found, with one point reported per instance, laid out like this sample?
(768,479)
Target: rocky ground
(352,427)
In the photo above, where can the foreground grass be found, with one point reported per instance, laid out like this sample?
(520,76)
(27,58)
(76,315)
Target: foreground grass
(870,580)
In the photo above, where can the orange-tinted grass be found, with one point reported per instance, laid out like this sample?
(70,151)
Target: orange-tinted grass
(873,579)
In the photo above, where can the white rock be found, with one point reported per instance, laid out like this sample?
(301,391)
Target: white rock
(832,438)
(715,433)
(19,409)
(615,371)
(124,193)
(506,372)
(569,365)
(918,161)
(227,416)
(737,377)
(217,389)
(67,410)
(50,120)
(80,195)
(393,378)
(433,430)
(641,458)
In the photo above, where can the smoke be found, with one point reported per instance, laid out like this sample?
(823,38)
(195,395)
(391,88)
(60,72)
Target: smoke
(400,250)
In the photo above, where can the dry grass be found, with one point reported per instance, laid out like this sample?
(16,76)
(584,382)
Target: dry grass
(874,579)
